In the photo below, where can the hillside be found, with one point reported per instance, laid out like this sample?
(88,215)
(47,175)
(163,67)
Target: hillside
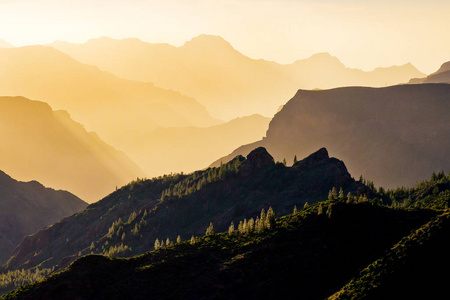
(186,149)
(392,135)
(227,82)
(306,255)
(115,108)
(440,76)
(128,221)
(48,146)
(27,207)
(412,269)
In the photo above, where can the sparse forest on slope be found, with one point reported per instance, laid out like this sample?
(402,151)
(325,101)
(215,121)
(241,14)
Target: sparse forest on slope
(27,207)
(48,146)
(227,82)
(307,255)
(393,135)
(129,220)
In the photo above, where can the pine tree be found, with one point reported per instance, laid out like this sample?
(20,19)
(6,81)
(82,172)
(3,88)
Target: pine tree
(251,225)
(192,241)
(231,228)
(157,244)
(333,193)
(178,239)
(341,194)
(167,242)
(210,229)
(284,161)
(295,209)
(306,205)
(270,219)
(295,159)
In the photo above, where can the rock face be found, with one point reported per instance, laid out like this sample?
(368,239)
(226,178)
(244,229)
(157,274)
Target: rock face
(394,136)
(27,207)
(185,205)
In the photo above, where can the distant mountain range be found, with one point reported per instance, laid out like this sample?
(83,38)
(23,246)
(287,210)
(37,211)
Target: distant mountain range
(115,108)
(230,84)
(27,207)
(41,144)
(392,136)
(186,149)
(128,221)
(440,76)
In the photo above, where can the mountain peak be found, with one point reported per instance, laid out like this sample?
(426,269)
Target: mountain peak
(208,41)
(259,158)
(5,44)
(314,158)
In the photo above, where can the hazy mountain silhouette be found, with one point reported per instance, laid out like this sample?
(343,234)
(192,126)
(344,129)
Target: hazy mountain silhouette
(440,76)
(391,135)
(26,207)
(5,44)
(113,107)
(229,83)
(48,146)
(167,150)
(129,220)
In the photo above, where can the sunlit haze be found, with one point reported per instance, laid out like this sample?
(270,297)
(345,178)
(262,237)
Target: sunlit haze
(362,34)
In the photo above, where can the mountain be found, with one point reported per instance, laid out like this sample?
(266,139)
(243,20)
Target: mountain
(5,44)
(390,135)
(440,76)
(27,207)
(41,144)
(185,149)
(412,269)
(305,255)
(229,83)
(115,108)
(128,221)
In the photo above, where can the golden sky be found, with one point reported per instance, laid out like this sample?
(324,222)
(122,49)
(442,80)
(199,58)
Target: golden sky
(361,33)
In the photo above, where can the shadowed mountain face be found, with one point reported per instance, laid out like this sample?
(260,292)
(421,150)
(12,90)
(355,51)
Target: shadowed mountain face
(440,76)
(172,150)
(26,207)
(227,82)
(48,146)
(113,107)
(391,135)
(129,220)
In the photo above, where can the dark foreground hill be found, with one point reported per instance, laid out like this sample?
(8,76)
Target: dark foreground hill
(128,221)
(26,207)
(307,255)
(393,135)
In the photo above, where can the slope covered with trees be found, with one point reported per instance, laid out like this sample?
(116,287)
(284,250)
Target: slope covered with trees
(129,220)
(307,255)
(393,135)
(27,207)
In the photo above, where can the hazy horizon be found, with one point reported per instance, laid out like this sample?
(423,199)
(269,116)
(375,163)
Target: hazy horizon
(387,33)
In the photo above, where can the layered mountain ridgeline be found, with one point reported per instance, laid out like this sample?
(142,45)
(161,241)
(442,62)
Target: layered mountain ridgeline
(307,255)
(173,150)
(48,146)
(129,220)
(413,269)
(392,135)
(27,207)
(229,83)
(440,76)
(115,108)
